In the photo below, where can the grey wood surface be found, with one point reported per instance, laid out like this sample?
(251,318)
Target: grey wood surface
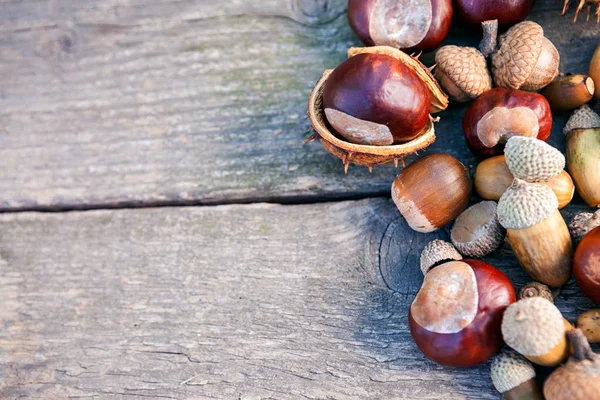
(106,104)
(236,302)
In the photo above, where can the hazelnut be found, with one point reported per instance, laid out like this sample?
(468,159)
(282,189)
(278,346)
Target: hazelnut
(455,317)
(403,24)
(499,114)
(569,92)
(525,59)
(477,232)
(586,267)
(462,72)
(432,191)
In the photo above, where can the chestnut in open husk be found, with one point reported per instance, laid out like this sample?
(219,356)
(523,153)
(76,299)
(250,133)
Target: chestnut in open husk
(507,12)
(375,74)
(432,191)
(455,318)
(403,24)
(500,114)
(586,265)
(579,378)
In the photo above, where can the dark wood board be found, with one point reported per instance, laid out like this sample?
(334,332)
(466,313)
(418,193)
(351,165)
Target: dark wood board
(223,302)
(137,103)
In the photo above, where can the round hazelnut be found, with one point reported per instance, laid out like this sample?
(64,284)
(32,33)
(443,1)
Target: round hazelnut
(569,92)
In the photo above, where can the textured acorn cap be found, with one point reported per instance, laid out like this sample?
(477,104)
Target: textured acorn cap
(526,204)
(533,160)
(533,326)
(481,225)
(582,224)
(435,252)
(582,118)
(509,370)
(466,67)
(519,49)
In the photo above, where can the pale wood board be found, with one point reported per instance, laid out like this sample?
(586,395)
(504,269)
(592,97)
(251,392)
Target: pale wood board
(234,302)
(129,103)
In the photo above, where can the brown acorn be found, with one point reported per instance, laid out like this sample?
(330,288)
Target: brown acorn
(514,377)
(536,289)
(526,59)
(462,72)
(371,155)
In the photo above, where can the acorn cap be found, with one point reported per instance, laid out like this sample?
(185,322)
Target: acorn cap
(512,64)
(533,326)
(582,224)
(526,204)
(466,67)
(533,160)
(509,370)
(477,232)
(435,252)
(582,118)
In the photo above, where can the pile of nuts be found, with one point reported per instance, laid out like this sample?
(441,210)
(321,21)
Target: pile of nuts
(377,107)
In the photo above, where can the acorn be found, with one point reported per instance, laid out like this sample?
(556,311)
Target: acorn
(589,323)
(477,232)
(514,377)
(492,178)
(533,160)
(432,191)
(583,153)
(582,224)
(569,92)
(536,289)
(536,329)
(371,155)
(437,252)
(537,232)
(462,72)
(579,378)
(526,59)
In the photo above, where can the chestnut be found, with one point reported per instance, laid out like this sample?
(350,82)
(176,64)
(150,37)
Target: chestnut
(499,114)
(586,264)
(375,99)
(456,316)
(419,25)
(507,12)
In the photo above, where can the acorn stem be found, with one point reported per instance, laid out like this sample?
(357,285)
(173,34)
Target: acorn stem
(490,37)
(581,346)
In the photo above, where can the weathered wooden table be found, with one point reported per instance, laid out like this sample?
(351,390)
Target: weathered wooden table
(132,135)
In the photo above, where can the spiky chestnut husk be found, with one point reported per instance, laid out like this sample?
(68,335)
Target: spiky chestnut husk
(536,289)
(477,232)
(455,318)
(537,232)
(367,155)
(583,153)
(580,5)
(462,72)
(579,378)
(437,252)
(526,59)
(513,376)
(535,328)
(582,224)
(533,160)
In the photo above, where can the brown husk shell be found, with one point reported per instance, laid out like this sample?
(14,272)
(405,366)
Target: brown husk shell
(367,155)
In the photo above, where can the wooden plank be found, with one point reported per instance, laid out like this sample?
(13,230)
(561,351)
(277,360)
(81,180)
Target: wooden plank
(222,302)
(105,104)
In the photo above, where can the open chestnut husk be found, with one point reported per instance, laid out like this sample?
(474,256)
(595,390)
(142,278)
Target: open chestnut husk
(455,317)
(384,70)
(419,25)
(507,12)
(586,265)
(499,114)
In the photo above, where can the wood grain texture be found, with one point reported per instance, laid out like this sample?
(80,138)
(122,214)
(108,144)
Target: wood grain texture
(106,104)
(222,302)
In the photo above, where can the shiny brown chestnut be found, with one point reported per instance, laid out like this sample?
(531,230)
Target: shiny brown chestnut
(455,318)
(499,114)
(507,12)
(419,25)
(375,99)
(586,265)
